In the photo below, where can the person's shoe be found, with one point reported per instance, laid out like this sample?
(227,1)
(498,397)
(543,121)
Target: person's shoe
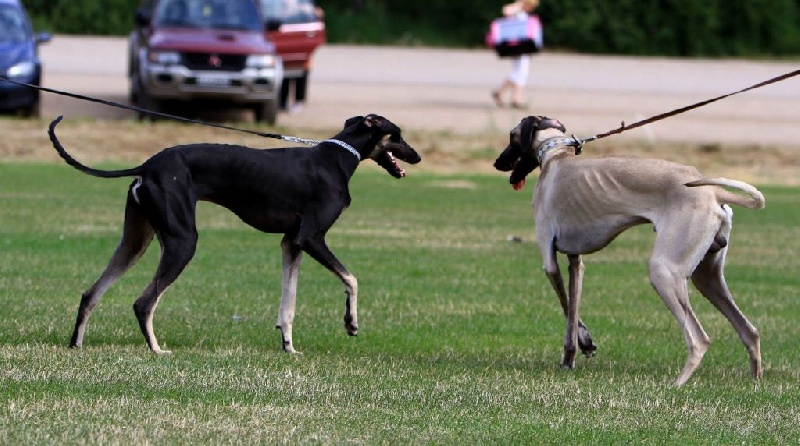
(519,105)
(295,109)
(497,100)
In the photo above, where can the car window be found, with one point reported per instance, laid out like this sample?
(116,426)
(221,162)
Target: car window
(289,11)
(13,26)
(217,14)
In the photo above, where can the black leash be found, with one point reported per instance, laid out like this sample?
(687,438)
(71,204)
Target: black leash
(625,128)
(163,115)
(578,142)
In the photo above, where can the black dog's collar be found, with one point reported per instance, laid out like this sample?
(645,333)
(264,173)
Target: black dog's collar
(346,146)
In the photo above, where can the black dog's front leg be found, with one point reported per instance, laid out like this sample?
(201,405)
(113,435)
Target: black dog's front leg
(318,249)
(292,255)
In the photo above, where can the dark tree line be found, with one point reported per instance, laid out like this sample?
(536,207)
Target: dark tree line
(709,28)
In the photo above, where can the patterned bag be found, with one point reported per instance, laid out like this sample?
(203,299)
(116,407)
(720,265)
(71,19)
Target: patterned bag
(513,36)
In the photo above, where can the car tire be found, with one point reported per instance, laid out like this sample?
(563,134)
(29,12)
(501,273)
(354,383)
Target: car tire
(266,112)
(145,101)
(133,96)
(31,111)
(134,87)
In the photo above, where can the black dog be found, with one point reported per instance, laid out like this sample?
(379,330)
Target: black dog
(298,191)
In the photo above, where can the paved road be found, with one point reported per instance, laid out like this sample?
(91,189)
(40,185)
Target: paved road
(448,90)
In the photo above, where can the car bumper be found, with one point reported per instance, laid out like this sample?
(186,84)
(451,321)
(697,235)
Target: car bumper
(14,96)
(295,72)
(250,85)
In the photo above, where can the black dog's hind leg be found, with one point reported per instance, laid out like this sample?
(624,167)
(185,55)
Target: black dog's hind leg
(318,249)
(176,254)
(172,214)
(136,237)
(292,255)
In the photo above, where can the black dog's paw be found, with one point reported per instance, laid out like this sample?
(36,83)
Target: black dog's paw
(352,328)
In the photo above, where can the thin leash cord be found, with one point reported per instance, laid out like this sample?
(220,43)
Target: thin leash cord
(624,128)
(578,141)
(163,115)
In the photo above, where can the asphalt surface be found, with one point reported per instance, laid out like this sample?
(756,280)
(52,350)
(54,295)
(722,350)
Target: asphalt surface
(449,91)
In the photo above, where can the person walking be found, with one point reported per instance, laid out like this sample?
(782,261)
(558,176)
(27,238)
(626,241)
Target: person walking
(516,80)
(299,85)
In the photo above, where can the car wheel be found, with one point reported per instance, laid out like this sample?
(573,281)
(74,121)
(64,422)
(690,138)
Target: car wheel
(148,103)
(31,111)
(266,112)
(133,95)
(134,87)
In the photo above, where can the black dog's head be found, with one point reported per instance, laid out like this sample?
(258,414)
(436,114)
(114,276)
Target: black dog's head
(378,139)
(520,154)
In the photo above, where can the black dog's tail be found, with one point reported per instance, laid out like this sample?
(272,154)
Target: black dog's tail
(86,169)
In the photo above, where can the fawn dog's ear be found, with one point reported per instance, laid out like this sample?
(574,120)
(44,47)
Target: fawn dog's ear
(527,130)
(549,123)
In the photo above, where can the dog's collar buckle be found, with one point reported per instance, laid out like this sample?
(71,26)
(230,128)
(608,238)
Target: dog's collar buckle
(578,144)
(558,142)
(345,146)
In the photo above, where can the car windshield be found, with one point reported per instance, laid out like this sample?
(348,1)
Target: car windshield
(13,26)
(217,14)
(289,11)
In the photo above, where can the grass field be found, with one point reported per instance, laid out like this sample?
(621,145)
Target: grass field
(460,335)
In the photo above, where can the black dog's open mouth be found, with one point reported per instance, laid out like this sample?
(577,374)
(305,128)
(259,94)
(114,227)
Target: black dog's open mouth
(389,162)
(385,157)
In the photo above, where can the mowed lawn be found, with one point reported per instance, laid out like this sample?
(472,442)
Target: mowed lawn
(460,337)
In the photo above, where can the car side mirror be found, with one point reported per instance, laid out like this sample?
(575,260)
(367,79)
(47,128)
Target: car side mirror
(141,18)
(42,38)
(273,25)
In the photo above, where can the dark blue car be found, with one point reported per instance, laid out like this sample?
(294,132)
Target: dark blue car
(19,59)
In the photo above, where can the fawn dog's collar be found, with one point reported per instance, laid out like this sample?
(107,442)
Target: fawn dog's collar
(549,144)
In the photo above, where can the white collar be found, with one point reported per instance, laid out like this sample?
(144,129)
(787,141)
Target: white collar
(346,146)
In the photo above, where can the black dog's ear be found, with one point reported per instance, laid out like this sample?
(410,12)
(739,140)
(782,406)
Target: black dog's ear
(373,120)
(527,128)
(383,125)
(353,121)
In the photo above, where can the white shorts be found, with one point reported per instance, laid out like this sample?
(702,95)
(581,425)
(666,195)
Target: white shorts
(520,71)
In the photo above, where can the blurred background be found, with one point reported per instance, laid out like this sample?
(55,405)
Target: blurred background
(686,28)
(427,67)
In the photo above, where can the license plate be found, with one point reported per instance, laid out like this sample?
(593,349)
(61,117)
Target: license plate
(212,80)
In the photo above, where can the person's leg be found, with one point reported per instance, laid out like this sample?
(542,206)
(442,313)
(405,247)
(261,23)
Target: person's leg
(498,93)
(284,99)
(300,86)
(518,79)
(514,82)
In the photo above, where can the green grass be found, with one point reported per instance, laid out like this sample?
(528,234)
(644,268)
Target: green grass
(460,332)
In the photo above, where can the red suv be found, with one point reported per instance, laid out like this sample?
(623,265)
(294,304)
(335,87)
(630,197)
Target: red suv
(297,29)
(210,51)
